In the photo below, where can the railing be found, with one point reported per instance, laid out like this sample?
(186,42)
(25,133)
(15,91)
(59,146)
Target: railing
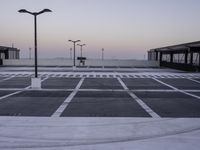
(180,66)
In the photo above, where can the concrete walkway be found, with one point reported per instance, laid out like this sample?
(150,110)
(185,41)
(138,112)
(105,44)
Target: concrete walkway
(99,133)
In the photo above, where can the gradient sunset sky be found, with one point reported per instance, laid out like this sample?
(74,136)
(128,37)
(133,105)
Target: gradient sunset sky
(124,28)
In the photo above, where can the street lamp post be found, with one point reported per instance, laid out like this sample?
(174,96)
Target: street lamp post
(35,14)
(81,46)
(74,51)
(71,53)
(102,57)
(29,53)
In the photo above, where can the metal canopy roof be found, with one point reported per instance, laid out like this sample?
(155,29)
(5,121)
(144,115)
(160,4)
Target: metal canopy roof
(4,48)
(179,47)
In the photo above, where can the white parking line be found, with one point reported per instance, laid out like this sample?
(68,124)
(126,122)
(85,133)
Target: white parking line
(193,80)
(2,97)
(176,89)
(7,78)
(139,101)
(62,107)
(21,90)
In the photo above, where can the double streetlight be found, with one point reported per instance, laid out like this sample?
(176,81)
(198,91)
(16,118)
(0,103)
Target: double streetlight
(81,46)
(35,14)
(74,50)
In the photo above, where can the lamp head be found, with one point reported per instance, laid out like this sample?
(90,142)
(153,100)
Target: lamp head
(22,11)
(47,10)
(43,11)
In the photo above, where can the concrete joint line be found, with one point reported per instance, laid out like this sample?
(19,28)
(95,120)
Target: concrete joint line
(176,89)
(64,105)
(139,101)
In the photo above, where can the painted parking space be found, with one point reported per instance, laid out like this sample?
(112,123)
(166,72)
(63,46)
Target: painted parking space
(143,83)
(101,83)
(32,103)
(171,104)
(184,84)
(103,104)
(16,82)
(60,83)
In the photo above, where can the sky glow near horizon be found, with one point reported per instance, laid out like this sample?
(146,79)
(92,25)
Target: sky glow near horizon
(126,29)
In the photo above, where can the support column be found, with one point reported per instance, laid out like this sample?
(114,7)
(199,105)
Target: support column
(191,58)
(171,57)
(156,56)
(186,57)
(160,58)
(199,59)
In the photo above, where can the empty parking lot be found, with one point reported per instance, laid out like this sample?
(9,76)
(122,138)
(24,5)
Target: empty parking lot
(101,94)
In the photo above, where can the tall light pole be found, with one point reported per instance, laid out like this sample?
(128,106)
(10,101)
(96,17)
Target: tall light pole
(29,53)
(71,53)
(81,46)
(35,14)
(74,50)
(102,55)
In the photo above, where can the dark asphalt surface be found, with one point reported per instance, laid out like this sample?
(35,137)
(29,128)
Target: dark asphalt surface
(99,103)
(16,82)
(3,93)
(171,104)
(60,83)
(182,83)
(143,83)
(32,103)
(101,83)
(104,104)
(1,78)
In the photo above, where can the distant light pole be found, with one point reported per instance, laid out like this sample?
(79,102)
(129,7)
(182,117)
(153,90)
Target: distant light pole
(81,46)
(102,56)
(74,50)
(35,14)
(71,53)
(29,53)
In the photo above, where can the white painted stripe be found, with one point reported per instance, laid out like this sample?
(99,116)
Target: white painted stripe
(26,88)
(122,83)
(165,84)
(64,105)
(90,90)
(2,97)
(193,80)
(176,89)
(7,79)
(139,101)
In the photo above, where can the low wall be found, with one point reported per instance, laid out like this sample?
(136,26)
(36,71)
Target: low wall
(180,66)
(90,62)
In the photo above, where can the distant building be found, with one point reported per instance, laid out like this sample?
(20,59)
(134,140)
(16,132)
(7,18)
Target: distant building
(183,56)
(9,53)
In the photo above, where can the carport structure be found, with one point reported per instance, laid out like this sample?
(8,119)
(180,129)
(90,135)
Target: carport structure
(183,56)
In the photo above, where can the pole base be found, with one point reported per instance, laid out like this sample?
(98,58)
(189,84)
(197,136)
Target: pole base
(36,83)
(74,68)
